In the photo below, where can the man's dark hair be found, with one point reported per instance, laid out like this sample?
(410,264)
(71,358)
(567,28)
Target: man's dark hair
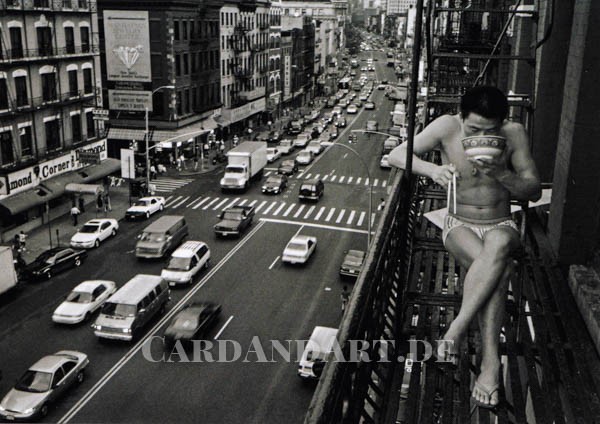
(484,100)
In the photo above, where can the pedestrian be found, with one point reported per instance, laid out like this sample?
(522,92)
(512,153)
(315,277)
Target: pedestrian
(222,146)
(195,162)
(74,214)
(99,203)
(81,204)
(107,205)
(345,296)
(22,241)
(162,169)
(16,243)
(236,140)
(381,205)
(171,159)
(206,148)
(151,189)
(152,172)
(182,159)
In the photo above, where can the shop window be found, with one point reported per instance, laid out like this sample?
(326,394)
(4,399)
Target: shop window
(6,148)
(52,134)
(3,95)
(87,81)
(90,124)
(48,86)
(76,128)
(73,85)
(26,141)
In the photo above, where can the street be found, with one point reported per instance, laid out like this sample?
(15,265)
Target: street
(260,296)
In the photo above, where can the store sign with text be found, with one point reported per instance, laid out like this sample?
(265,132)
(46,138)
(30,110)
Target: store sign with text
(131,100)
(242,112)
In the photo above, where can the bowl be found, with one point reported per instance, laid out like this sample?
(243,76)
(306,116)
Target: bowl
(483,146)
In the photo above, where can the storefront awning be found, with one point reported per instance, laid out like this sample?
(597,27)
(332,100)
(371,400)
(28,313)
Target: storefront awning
(21,202)
(222,122)
(181,134)
(57,185)
(93,173)
(94,189)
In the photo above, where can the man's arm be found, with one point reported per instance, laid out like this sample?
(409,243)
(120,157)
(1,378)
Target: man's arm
(426,141)
(524,182)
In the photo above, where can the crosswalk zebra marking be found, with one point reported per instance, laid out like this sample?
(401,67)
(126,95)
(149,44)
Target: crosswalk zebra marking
(340,216)
(260,206)
(383,183)
(288,210)
(299,211)
(266,211)
(197,199)
(341,179)
(210,204)
(350,218)
(361,219)
(312,208)
(358,180)
(332,179)
(373,217)
(168,198)
(330,214)
(325,177)
(350,180)
(307,176)
(220,204)
(232,202)
(375,182)
(200,203)
(181,202)
(317,176)
(366,181)
(279,209)
(173,201)
(267,173)
(252,203)
(243,202)
(320,213)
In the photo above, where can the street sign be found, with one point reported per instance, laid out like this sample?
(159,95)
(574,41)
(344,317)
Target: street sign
(100,114)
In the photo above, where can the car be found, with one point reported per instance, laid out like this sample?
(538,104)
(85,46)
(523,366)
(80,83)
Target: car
(363,97)
(312,189)
(304,157)
(287,167)
(352,264)
(93,232)
(316,147)
(381,86)
(317,131)
(295,127)
(274,137)
(369,105)
(363,69)
(299,249)
(383,163)
(273,154)
(53,261)
(384,81)
(275,184)
(83,301)
(372,126)
(358,103)
(327,119)
(371,68)
(336,111)
(302,139)
(192,322)
(285,146)
(340,122)
(333,134)
(186,261)
(352,109)
(43,384)
(145,206)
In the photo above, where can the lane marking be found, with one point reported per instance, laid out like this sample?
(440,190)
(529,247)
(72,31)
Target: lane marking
(350,218)
(260,206)
(200,203)
(345,156)
(299,211)
(267,173)
(324,177)
(221,203)
(312,208)
(223,328)
(308,224)
(366,181)
(216,199)
(330,214)
(361,219)
(307,176)
(197,199)
(340,216)
(167,199)
(132,352)
(320,213)
(287,212)
(317,176)
(274,262)
(375,182)
(180,203)
(383,183)
(372,219)
(279,209)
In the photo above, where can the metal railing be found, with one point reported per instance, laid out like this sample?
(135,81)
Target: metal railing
(352,392)
(19,54)
(22,105)
(49,5)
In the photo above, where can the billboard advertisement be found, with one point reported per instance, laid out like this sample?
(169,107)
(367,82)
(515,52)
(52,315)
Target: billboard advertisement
(133,100)
(127,42)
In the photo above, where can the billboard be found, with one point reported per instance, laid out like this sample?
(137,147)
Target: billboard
(133,100)
(127,42)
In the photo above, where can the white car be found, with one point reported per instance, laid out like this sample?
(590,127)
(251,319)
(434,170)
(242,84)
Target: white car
(304,157)
(352,109)
(302,140)
(285,146)
(299,249)
(273,154)
(189,259)
(383,163)
(315,147)
(83,301)
(369,106)
(364,97)
(94,232)
(145,206)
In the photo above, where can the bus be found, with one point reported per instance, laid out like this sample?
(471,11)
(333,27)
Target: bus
(345,83)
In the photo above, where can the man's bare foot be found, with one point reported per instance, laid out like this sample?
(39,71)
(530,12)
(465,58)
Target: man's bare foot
(486,390)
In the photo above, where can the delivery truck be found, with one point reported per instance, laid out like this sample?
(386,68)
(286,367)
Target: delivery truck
(245,163)
(8,276)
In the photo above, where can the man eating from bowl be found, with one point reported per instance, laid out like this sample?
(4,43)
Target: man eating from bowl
(478,230)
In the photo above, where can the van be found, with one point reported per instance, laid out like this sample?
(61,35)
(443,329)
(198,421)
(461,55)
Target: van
(161,236)
(186,262)
(390,144)
(127,311)
(311,189)
(316,352)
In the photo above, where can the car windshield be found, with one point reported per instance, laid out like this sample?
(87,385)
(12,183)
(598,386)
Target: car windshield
(297,246)
(46,257)
(34,381)
(270,151)
(234,170)
(89,228)
(232,215)
(273,179)
(304,154)
(142,203)
(79,297)
(287,163)
(286,143)
(186,320)
(179,264)
(152,237)
(119,309)
(307,187)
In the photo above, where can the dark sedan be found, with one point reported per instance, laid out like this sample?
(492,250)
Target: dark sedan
(53,261)
(353,263)
(275,184)
(192,322)
(287,167)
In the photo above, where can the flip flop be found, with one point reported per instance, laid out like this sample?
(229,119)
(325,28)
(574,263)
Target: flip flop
(487,390)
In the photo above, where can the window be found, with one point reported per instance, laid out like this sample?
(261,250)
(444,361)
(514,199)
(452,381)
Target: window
(25,141)
(186,64)
(85,39)
(44,39)
(73,86)
(83,4)
(90,124)
(52,134)
(66,4)
(188,101)
(179,105)
(87,81)
(192,30)
(3,95)
(68,366)
(76,128)
(177,65)
(176,30)
(40,3)
(69,40)
(21,90)
(6,148)
(58,375)
(184,30)
(16,43)
(48,86)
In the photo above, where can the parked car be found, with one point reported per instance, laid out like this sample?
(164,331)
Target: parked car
(53,261)
(93,232)
(336,111)
(352,264)
(287,167)
(295,127)
(192,323)
(369,106)
(43,384)
(363,97)
(304,157)
(383,163)
(145,207)
(286,146)
(299,249)
(333,134)
(274,137)
(275,184)
(273,154)
(83,301)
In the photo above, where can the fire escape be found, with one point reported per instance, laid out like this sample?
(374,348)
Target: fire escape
(242,66)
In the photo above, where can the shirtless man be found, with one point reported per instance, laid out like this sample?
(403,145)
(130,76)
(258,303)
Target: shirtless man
(480,233)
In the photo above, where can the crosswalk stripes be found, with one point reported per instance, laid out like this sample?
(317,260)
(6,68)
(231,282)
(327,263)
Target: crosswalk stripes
(258,208)
(179,203)
(289,209)
(196,206)
(299,211)
(168,185)
(351,217)
(220,204)
(318,216)
(340,216)
(361,219)
(266,211)
(330,214)
(278,210)
(310,211)
(342,179)
(208,205)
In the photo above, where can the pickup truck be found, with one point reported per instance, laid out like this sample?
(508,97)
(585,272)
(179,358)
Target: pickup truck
(234,220)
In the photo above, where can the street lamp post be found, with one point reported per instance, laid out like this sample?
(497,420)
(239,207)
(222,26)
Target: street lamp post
(146,137)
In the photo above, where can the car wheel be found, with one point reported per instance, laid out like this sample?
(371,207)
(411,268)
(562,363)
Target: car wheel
(44,410)
(163,309)
(48,275)
(147,214)
(80,377)
(207,264)
(113,233)
(77,261)
(97,243)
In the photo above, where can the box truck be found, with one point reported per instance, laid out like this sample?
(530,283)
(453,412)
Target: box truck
(244,163)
